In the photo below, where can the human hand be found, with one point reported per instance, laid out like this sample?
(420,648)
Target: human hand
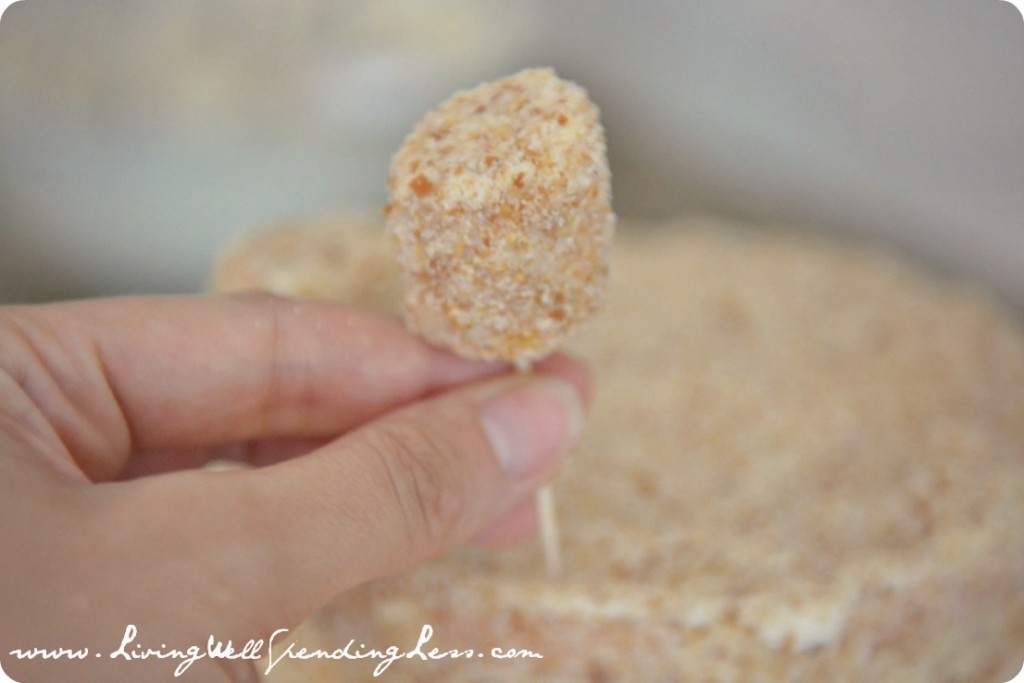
(373,452)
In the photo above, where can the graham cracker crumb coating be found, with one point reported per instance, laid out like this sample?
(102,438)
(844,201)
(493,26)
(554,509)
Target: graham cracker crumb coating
(500,212)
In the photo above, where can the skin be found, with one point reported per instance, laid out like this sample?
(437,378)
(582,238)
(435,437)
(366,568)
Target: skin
(364,453)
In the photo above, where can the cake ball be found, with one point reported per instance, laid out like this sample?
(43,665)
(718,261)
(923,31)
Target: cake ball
(500,214)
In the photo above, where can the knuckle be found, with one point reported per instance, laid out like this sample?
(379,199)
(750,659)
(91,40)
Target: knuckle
(424,482)
(273,373)
(290,386)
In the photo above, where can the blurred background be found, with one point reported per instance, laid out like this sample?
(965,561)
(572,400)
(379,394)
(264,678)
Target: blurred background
(137,137)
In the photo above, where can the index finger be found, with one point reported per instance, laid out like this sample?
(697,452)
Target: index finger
(165,373)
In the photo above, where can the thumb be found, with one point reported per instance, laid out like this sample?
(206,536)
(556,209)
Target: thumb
(383,498)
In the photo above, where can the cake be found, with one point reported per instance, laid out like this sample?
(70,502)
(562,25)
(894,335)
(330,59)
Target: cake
(337,258)
(499,205)
(805,461)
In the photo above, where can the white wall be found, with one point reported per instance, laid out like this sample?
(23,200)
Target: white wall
(136,137)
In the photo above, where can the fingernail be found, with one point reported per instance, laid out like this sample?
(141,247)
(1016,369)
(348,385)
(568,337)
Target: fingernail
(531,425)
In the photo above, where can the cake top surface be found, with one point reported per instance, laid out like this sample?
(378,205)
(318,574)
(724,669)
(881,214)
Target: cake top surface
(779,421)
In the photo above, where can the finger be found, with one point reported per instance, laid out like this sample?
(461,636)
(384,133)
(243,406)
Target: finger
(512,528)
(571,370)
(115,375)
(282,540)
(263,452)
(520,523)
(259,453)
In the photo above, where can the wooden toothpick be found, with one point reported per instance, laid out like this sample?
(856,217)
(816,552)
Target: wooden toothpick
(549,531)
(546,518)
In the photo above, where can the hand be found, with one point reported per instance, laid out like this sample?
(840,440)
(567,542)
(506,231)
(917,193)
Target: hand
(372,453)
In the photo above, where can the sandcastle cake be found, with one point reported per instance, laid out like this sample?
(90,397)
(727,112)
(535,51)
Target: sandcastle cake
(805,462)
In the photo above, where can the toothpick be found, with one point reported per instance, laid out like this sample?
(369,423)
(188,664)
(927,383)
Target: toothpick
(549,530)
(545,502)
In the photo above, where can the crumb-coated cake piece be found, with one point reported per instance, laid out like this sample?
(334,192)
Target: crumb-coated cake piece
(342,257)
(805,462)
(499,204)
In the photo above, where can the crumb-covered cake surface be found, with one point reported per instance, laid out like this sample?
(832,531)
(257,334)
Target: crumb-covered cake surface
(805,462)
(342,257)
